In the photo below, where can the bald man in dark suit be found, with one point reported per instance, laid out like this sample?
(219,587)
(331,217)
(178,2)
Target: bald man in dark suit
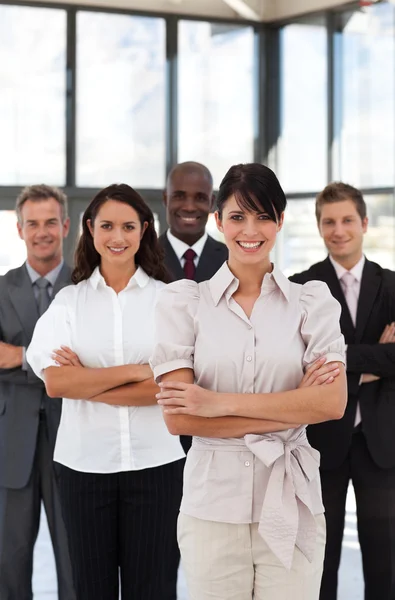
(190,253)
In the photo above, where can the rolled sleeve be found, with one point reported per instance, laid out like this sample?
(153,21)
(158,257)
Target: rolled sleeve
(175,328)
(320,328)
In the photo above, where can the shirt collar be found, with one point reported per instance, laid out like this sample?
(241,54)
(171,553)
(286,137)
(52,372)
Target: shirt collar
(181,247)
(356,270)
(140,278)
(224,282)
(51,276)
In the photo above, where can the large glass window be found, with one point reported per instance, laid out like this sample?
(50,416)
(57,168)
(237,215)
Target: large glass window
(12,248)
(121,67)
(365,97)
(299,244)
(215,95)
(32,95)
(302,157)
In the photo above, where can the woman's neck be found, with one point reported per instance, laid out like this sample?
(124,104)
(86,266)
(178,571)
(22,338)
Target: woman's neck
(250,276)
(117,278)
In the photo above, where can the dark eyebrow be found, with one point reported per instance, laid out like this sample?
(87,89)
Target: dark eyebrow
(126,222)
(242,212)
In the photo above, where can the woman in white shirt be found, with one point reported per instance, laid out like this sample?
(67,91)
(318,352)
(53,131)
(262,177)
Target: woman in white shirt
(255,344)
(120,469)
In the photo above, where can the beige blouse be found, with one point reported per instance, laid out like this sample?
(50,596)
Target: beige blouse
(270,479)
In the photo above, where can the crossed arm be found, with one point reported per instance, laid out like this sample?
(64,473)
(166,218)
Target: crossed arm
(190,410)
(126,385)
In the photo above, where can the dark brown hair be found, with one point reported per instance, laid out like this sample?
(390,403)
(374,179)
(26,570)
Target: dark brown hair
(339,192)
(149,256)
(256,189)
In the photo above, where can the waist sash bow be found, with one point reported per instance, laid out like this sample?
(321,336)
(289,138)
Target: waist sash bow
(287,519)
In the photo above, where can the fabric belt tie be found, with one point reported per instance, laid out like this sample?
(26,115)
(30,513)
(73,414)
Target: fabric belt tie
(287,519)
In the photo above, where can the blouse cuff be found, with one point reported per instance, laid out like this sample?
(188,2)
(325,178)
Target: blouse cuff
(335,356)
(173,365)
(331,357)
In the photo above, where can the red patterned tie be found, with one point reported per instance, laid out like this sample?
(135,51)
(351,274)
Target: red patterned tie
(189,266)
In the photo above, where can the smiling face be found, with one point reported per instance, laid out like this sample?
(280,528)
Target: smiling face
(249,236)
(42,229)
(342,230)
(116,233)
(188,200)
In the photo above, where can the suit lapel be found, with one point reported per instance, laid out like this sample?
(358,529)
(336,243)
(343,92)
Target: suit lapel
(171,259)
(22,297)
(205,264)
(370,285)
(63,279)
(211,259)
(330,277)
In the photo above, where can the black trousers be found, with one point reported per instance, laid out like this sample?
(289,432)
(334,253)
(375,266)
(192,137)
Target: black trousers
(170,589)
(20,511)
(375,500)
(121,527)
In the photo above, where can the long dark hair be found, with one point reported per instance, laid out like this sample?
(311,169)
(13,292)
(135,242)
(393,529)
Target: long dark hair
(255,187)
(149,256)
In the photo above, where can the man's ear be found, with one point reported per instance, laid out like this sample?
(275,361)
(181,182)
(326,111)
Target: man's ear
(66,227)
(164,197)
(20,231)
(212,201)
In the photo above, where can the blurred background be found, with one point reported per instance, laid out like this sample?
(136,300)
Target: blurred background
(120,90)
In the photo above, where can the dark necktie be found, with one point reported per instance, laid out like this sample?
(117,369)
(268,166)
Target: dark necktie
(43,299)
(189,266)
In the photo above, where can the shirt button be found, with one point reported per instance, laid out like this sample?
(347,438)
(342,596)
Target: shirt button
(249,358)
(247,463)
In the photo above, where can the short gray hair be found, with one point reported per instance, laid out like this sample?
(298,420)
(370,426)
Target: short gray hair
(36,193)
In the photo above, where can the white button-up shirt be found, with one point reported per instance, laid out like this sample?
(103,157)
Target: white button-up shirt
(181,247)
(356,271)
(105,329)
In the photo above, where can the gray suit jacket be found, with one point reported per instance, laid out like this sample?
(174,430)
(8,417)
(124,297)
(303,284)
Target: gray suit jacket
(21,392)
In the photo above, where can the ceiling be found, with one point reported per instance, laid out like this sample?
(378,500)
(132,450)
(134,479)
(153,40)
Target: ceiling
(259,10)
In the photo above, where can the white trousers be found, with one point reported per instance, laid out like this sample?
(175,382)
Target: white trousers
(224,561)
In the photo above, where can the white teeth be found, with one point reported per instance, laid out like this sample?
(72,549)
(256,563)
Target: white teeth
(117,249)
(188,218)
(250,244)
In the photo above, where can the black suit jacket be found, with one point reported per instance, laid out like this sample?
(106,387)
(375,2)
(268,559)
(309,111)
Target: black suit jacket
(212,258)
(21,392)
(376,308)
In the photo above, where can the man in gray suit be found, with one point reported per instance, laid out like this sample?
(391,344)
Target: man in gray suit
(28,417)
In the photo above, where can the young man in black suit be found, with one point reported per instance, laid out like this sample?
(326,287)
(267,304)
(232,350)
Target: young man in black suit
(361,446)
(190,253)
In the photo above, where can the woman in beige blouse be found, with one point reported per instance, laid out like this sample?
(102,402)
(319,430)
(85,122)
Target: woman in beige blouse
(238,359)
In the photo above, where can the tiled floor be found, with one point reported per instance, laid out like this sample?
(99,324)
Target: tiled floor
(351,583)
